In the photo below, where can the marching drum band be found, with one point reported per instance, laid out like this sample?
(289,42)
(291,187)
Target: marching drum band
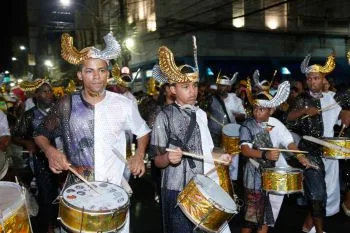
(204,155)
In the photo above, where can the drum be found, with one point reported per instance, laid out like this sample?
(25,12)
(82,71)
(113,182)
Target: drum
(206,204)
(281,180)
(82,209)
(230,138)
(336,154)
(13,212)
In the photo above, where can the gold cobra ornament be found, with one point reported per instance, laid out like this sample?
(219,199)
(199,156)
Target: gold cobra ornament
(169,68)
(70,53)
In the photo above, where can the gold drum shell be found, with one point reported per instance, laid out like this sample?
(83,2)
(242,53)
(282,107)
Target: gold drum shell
(336,154)
(282,180)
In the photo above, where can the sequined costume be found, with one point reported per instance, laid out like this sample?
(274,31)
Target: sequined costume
(46,181)
(91,134)
(169,131)
(258,209)
(314,180)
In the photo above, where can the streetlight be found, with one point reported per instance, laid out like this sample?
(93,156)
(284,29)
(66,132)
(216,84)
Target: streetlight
(14,58)
(22,47)
(48,63)
(129,43)
(65,2)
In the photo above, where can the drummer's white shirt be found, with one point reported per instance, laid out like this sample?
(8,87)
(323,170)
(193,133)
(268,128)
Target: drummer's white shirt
(234,105)
(207,148)
(330,118)
(113,116)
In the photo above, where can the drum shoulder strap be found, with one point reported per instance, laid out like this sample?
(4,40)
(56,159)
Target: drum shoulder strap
(223,107)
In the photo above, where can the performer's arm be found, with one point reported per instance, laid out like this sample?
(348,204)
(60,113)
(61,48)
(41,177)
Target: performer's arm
(253,153)
(300,157)
(344,116)
(168,158)
(57,160)
(136,164)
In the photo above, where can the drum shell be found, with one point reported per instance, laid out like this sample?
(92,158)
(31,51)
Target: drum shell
(77,220)
(336,154)
(202,210)
(15,216)
(230,144)
(282,180)
(224,178)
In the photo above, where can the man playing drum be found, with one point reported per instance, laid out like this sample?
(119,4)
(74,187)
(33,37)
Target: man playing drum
(261,131)
(93,121)
(322,189)
(182,127)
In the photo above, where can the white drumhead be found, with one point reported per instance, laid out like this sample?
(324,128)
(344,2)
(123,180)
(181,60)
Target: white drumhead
(111,196)
(284,170)
(212,190)
(11,198)
(231,130)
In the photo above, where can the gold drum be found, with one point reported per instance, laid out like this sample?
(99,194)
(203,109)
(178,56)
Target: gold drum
(230,138)
(82,209)
(336,154)
(14,216)
(206,204)
(282,180)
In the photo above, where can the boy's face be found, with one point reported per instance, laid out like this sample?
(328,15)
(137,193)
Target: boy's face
(261,114)
(186,93)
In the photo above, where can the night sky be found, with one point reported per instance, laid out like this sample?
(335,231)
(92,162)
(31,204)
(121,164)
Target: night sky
(13,23)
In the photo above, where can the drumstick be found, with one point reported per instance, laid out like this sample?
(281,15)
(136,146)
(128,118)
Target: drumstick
(198,156)
(342,130)
(285,150)
(323,109)
(83,179)
(326,144)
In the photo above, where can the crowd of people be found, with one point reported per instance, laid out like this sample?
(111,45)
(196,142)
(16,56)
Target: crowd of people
(92,131)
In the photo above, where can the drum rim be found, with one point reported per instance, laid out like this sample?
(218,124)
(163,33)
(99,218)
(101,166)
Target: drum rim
(284,192)
(211,200)
(336,157)
(6,213)
(99,212)
(284,169)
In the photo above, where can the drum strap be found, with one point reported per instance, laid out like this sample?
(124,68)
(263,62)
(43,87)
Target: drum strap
(223,107)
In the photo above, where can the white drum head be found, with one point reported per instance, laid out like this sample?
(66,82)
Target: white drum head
(231,130)
(110,196)
(212,190)
(283,170)
(11,198)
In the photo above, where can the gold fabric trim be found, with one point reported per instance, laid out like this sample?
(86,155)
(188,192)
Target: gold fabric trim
(336,154)
(171,71)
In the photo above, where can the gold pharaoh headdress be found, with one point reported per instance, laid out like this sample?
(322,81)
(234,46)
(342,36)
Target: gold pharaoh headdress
(32,85)
(225,80)
(326,69)
(75,57)
(273,102)
(123,76)
(172,71)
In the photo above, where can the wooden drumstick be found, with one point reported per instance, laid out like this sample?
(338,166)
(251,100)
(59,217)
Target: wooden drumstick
(342,130)
(285,150)
(83,179)
(323,109)
(199,157)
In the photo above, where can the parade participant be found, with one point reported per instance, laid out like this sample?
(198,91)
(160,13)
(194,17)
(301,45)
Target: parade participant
(46,181)
(321,186)
(181,126)
(5,137)
(93,121)
(262,130)
(124,81)
(224,107)
(343,98)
